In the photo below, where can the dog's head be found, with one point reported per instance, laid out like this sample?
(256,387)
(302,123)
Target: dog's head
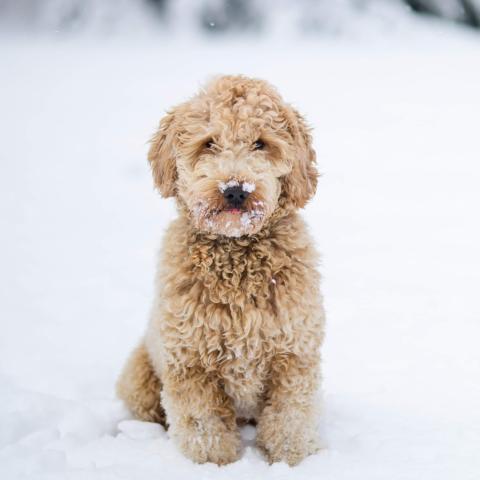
(233,155)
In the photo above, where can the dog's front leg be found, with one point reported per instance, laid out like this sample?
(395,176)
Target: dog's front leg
(201,417)
(286,428)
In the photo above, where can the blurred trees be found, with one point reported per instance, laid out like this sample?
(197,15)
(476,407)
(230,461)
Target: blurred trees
(221,15)
(462,11)
(230,15)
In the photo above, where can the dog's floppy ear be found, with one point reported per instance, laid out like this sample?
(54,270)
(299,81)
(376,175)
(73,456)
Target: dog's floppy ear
(162,156)
(300,184)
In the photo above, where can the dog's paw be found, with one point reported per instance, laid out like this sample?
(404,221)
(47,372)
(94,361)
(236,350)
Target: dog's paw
(209,440)
(286,436)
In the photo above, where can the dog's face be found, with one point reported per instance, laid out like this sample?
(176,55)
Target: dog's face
(232,154)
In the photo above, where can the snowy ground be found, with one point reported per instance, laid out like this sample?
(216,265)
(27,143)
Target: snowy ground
(396,217)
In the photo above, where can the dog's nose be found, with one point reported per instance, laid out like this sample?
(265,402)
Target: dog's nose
(235,196)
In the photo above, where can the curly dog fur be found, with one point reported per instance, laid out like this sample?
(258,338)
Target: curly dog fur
(237,321)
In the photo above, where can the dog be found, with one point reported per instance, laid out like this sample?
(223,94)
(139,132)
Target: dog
(237,321)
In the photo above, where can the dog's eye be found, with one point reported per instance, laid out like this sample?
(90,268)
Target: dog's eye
(259,145)
(209,144)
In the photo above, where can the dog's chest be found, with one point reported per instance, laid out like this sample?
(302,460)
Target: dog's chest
(236,287)
(237,273)
(238,349)
(231,311)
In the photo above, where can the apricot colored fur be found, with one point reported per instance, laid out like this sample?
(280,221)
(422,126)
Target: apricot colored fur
(237,321)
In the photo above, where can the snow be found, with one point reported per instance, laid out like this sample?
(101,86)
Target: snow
(222,186)
(396,218)
(248,187)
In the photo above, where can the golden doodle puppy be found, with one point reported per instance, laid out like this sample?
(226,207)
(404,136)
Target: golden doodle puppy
(237,320)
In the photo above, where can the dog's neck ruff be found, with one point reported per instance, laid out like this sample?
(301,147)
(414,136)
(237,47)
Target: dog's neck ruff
(241,272)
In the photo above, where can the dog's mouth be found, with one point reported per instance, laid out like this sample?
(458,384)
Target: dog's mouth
(231,210)
(235,211)
(251,213)
(229,220)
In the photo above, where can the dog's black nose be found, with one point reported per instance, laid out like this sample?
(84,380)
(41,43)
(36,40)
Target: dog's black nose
(235,196)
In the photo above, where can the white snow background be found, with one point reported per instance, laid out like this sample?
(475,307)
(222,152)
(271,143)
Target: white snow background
(396,217)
